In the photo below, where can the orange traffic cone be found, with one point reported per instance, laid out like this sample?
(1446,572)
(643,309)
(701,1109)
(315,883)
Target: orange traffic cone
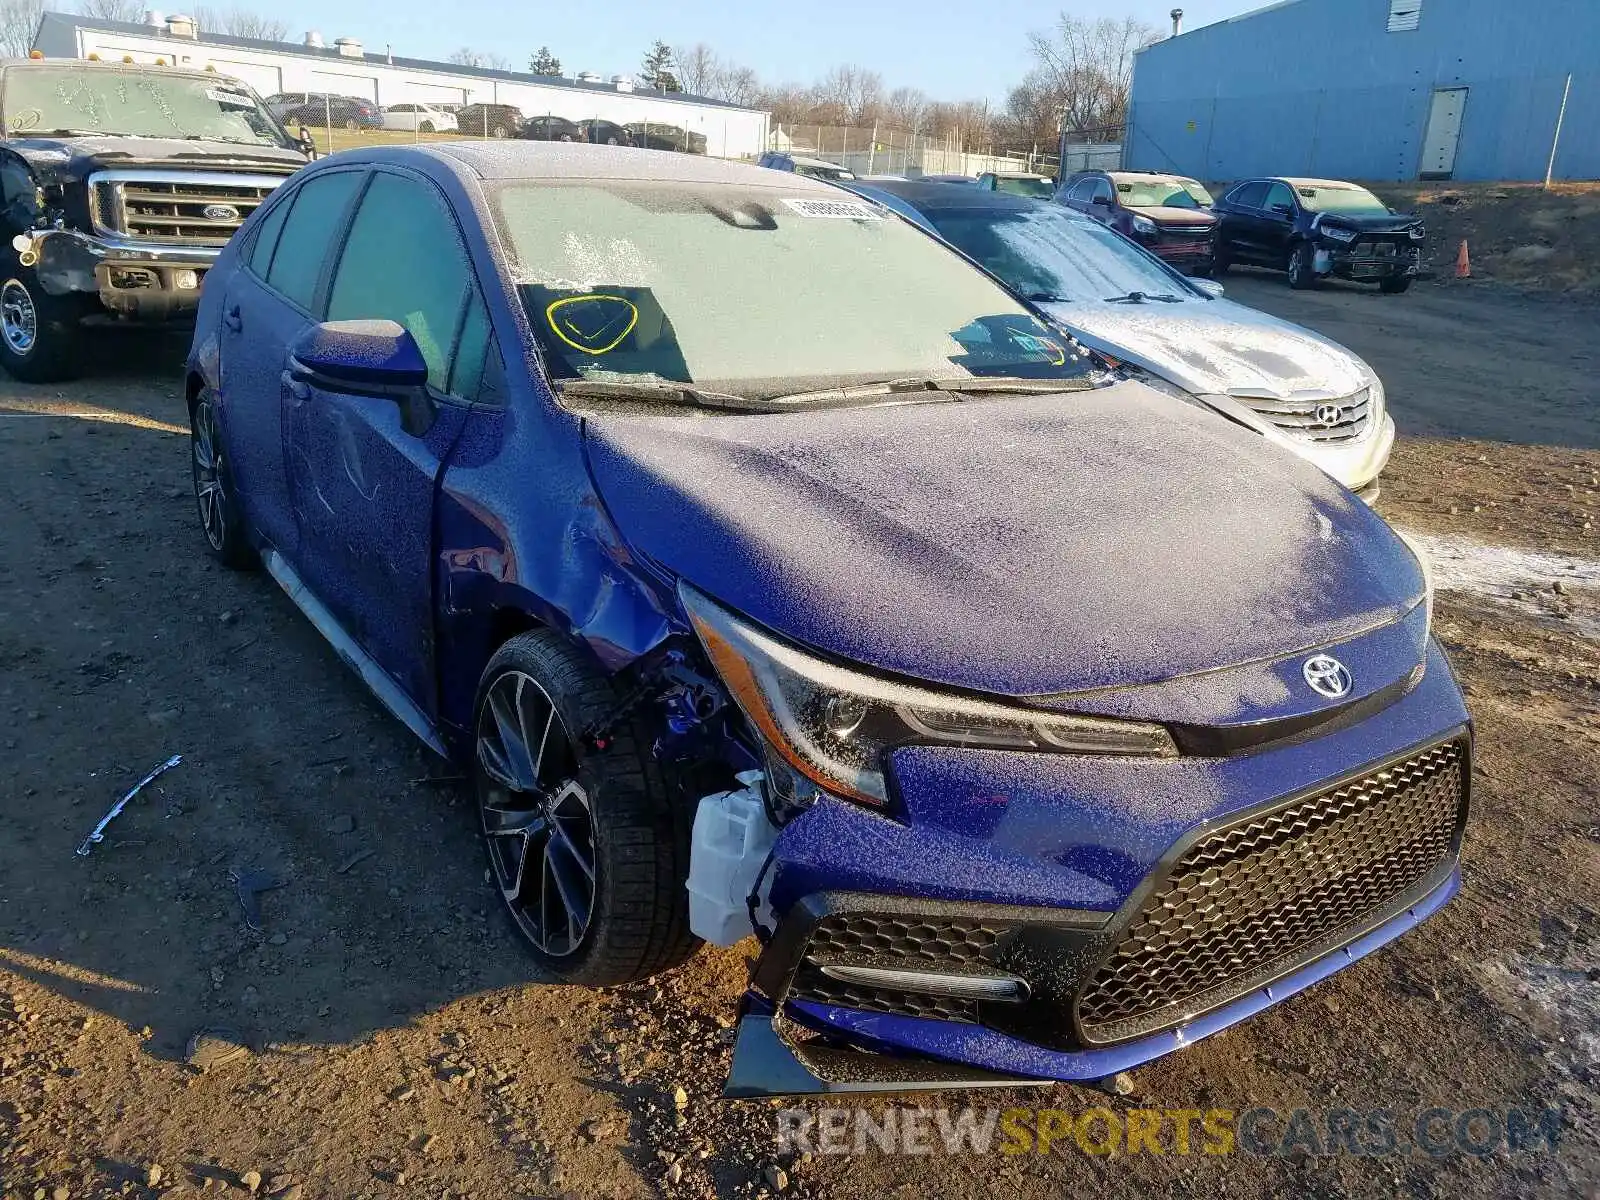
(1463,263)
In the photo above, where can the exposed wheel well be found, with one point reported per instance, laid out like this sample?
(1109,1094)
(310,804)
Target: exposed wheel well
(191,390)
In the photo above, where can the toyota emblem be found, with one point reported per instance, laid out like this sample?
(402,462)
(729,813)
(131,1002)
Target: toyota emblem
(1327,676)
(1329,414)
(220,212)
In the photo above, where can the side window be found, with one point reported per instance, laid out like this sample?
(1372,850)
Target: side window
(1279,193)
(1102,190)
(381,275)
(1249,195)
(267,236)
(308,234)
(472,349)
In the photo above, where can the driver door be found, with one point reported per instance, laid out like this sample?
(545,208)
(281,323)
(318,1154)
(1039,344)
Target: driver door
(363,482)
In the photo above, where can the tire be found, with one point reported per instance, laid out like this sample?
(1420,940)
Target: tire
(352,124)
(220,518)
(617,811)
(41,336)
(1220,261)
(1395,284)
(499,131)
(425,127)
(1302,273)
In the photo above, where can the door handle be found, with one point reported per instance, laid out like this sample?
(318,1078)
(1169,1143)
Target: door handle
(296,388)
(232,319)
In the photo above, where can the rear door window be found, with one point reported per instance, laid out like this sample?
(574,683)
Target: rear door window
(1248,195)
(309,233)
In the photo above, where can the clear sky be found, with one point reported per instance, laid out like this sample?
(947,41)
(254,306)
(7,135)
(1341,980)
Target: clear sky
(976,49)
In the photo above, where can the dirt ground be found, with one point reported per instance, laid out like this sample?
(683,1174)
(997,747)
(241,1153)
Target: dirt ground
(398,1045)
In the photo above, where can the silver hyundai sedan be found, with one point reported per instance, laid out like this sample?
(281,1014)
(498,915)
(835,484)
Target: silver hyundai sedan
(1294,387)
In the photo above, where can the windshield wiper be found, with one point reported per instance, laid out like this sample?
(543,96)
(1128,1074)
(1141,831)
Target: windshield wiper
(664,391)
(61,133)
(1048,298)
(975,385)
(1141,297)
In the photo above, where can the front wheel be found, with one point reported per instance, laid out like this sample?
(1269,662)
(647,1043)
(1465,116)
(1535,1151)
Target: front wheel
(220,520)
(41,336)
(1302,269)
(500,131)
(1220,261)
(1394,285)
(425,127)
(588,848)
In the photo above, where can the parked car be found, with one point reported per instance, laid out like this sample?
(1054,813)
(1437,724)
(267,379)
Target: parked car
(967,180)
(347,112)
(654,136)
(489,120)
(1316,228)
(1297,389)
(815,168)
(551,129)
(605,133)
(1017,183)
(421,118)
(1166,214)
(122,183)
(1042,725)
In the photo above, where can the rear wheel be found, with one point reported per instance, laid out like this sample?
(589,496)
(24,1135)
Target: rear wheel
(425,127)
(41,336)
(1394,285)
(1302,269)
(500,131)
(588,849)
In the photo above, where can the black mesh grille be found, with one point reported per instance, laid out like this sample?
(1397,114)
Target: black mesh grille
(1246,899)
(946,944)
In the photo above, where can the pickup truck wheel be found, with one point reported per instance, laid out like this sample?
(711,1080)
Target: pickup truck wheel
(1302,272)
(1394,285)
(587,846)
(41,339)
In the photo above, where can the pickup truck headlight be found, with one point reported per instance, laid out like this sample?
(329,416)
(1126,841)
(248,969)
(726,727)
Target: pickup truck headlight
(833,724)
(1337,234)
(1143,225)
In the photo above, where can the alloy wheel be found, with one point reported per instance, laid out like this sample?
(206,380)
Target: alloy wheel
(209,489)
(19,319)
(536,816)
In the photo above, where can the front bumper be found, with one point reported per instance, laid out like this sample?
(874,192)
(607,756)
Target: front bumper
(141,280)
(1049,881)
(1370,262)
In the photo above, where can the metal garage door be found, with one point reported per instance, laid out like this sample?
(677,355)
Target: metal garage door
(1444,133)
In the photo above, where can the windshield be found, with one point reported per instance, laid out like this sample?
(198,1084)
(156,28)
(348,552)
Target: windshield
(755,290)
(1148,193)
(1039,189)
(134,103)
(1344,199)
(1047,253)
(823,171)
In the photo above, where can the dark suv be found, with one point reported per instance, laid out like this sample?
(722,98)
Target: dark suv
(1314,228)
(1166,214)
(489,120)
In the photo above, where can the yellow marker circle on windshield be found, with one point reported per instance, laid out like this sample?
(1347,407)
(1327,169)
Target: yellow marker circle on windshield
(591,338)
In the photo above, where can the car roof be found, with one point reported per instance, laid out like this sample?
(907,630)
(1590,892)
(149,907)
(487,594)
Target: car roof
(1018,175)
(815,162)
(1155,176)
(1294,181)
(937,197)
(517,159)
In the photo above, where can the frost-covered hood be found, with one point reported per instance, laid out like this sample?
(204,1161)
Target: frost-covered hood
(1176,216)
(1367,223)
(64,158)
(1019,545)
(1213,347)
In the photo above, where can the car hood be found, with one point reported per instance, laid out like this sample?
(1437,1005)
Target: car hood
(1216,347)
(1021,546)
(1176,216)
(1376,223)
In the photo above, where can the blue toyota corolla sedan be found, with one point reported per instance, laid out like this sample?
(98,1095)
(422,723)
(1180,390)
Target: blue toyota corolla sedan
(774,571)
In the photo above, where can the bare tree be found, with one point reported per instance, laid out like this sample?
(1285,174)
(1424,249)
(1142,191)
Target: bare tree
(738,85)
(1083,70)
(849,95)
(240,22)
(19,21)
(468,57)
(699,68)
(131,11)
(906,107)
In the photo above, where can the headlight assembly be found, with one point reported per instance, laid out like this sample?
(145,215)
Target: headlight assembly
(833,724)
(1427,575)
(1143,225)
(1337,234)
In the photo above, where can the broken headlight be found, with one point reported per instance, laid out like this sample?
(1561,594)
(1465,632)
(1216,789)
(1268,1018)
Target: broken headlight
(1338,234)
(832,724)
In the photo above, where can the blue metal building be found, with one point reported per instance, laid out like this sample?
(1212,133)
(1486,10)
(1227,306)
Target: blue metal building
(1375,90)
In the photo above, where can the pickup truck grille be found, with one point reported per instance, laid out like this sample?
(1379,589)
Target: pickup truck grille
(167,207)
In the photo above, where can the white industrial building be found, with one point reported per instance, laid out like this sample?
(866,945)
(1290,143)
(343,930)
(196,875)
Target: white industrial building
(347,68)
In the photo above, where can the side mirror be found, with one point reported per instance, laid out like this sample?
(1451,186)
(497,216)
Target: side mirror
(308,145)
(1209,286)
(1102,201)
(366,358)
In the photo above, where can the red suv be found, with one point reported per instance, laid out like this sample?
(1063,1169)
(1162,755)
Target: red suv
(1166,214)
